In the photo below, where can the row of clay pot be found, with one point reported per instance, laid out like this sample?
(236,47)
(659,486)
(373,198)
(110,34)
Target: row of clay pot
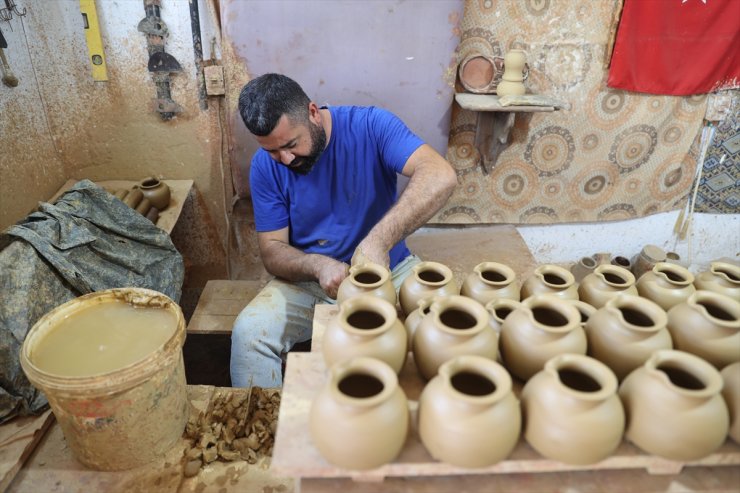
(644,261)
(136,200)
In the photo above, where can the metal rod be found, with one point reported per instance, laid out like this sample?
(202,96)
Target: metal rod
(198,51)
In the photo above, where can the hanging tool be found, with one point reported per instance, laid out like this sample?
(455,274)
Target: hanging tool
(94,40)
(9,78)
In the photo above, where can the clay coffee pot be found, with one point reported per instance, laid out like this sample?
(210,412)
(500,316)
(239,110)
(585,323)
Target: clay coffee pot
(365,326)
(572,411)
(647,258)
(512,81)
(550,279)
(157,191)
(427,280)
(542,327)
(360,418)
(468,403)
(722,277)
(489,281)
(667,284)
(583,267)
(625,332)
(455,326)
(368,278)
(731,394)
(707,324)
(674,406)
(604,283)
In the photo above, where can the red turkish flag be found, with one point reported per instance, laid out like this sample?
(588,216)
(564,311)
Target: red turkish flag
(677,47)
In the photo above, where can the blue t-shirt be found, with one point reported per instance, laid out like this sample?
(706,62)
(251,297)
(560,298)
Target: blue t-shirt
(352,185)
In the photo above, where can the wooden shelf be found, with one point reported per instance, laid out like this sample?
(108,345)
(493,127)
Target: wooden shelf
(490,102)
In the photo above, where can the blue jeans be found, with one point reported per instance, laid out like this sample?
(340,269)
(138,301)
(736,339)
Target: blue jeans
(280,316)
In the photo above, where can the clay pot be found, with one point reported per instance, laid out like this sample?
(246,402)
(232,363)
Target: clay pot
(625,332)
(707,324)
(468,402)
(602,258)
(133,198)
(606,282)
(360,418)
(513,77)
(455,326)
(365,326)
(367,278)
(621,261)
(674,258)
(674,407)
(490,280)
(572,411)
(542,327)
(667,284)
(584,309)
(498,310)
(646,259)
(428,279)
(722,277)
(414,318)
(731,394)
(158,192)
(582,268)
(550,279)
(480,74)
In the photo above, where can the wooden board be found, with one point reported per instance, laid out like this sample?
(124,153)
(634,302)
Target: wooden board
(220,304)
(295,454)
(53,468)
(179,190)
(487,102)
(18,439)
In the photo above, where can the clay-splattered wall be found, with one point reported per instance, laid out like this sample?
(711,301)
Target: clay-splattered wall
(59,124)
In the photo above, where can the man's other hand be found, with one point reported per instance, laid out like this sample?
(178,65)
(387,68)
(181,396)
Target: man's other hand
(331,275)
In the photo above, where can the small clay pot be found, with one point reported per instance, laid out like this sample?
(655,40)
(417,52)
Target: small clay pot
(731,394)
(621,261)
(480,74)
(414,318)
(369,278)
(156,191)
(133,198)
(583,267)
(427,280)
(489,281)
(586,310)
(647,258)
(550,279)
(604,283)
(667,284)
(499,309)
(722,277)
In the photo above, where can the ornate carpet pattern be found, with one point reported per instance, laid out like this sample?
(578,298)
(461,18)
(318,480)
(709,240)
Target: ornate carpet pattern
(719,186)
(613,155)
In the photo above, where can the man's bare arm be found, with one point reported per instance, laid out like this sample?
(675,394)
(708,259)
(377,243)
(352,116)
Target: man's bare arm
(283,260)
(432,181)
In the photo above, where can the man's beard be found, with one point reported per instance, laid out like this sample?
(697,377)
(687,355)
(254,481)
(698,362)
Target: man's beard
(304,164)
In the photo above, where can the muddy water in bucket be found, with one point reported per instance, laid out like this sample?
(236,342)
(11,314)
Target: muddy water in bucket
(110,364)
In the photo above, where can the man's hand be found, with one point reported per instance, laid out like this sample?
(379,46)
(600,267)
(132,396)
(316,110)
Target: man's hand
(367,252)
(331,274)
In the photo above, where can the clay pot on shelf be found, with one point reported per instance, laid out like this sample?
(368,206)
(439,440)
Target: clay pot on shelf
(604,283)
(512,81)
(360,418)
(468,402)
(722,277)
(480,74)
(550,279)
(542,327)
(646,259)
(455,326)
(157,191)
(582,268)
(667,284)
(498,310)
(427,280)
(489,281)
(674,258)
(707,324)
(572,411)
(731,394)
(365,326)
(369,278)
(133,198)
(625,332)
(674,407)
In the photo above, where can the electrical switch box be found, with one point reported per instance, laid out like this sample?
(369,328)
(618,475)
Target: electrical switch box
(214,76)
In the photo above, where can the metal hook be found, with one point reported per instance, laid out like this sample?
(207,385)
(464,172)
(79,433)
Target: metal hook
(6,15)
(12,6)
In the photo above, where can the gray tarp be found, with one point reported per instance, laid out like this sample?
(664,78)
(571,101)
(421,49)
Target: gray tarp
(88,241)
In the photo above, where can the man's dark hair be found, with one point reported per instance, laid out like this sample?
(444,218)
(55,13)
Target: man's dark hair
(267,98)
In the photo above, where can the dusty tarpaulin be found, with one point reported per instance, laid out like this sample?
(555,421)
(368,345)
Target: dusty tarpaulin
(88,241)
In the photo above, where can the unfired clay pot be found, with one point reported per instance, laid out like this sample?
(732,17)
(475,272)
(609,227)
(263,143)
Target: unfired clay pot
(674,406)
(572,411)
(469,402)
(707,324)
(367,278)
(499,309)
(731,393)
(604,283)
(360,418)
(647,258)
(722,277)
(550,279)
(489,281)
(582,268)
(584,309)
(414,318)
(542,327)
(428,279)
(157,191)
(667,284)
(513,77)
(625,332)
(365,326)
(455,326)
